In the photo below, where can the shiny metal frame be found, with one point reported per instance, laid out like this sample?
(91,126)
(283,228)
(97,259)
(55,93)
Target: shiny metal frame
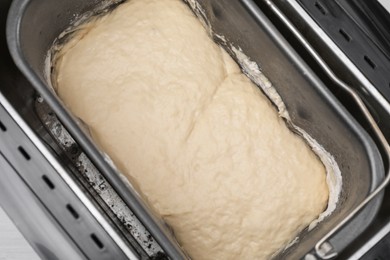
(214,7)
(127,251)
(323,248)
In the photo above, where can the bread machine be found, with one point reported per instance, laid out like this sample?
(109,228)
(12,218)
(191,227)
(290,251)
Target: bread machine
(69,201)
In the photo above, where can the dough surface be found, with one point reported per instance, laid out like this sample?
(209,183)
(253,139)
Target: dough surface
(196,137)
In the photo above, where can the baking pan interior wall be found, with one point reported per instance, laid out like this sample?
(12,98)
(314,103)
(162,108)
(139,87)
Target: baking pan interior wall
(33,25)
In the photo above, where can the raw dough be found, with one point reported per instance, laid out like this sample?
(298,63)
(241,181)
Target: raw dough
(197,138)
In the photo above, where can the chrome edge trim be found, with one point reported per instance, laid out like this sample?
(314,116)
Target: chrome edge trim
(337,51)
(68,180)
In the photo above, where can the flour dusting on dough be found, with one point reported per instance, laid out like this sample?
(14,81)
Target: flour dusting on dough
(333,176)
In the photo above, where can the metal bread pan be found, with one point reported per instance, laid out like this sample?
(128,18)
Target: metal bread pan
(33,25)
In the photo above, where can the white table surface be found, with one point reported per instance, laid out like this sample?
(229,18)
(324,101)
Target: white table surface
(385,4)
(12,244)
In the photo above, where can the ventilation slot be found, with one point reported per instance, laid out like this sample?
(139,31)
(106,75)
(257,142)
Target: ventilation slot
(72,211)
(2,127)
(97,241)
(48,182)
(345,35)
(369,62)
(24,153)
(320,8)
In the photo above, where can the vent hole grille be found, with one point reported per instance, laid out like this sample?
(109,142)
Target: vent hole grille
(48,182)
(345,35)
(24,153)
(320,8)
(369,62)
(2,127)
(97,241)
(72,211)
